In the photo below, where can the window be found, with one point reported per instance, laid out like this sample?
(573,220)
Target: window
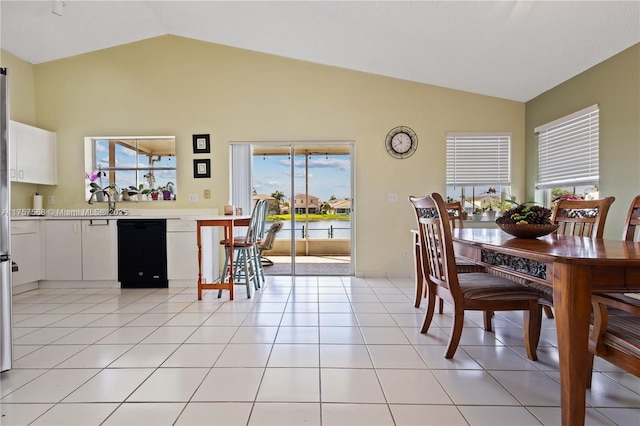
(478,169)
(147,164)
(568,154)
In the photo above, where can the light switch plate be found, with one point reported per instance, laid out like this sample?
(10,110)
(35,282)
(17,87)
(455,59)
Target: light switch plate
(392,197)
(193,198)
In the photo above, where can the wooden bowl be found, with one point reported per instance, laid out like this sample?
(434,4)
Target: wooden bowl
(528,231)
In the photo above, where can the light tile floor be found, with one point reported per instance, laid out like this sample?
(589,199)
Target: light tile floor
(304,350)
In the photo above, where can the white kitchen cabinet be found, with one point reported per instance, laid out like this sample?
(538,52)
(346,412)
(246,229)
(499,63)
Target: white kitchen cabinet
(32,154)
(99,250)
(182,250)
(25,251)
(81,250)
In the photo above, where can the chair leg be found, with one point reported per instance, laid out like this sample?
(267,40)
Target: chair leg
(456,331)
(548,311)
(431,307)
(532,319)
(441,306)
(224,270)
(488,315)
(420,289)
(589,370)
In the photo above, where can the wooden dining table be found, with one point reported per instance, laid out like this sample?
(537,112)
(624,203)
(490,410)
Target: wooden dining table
(575,268)
(228,222)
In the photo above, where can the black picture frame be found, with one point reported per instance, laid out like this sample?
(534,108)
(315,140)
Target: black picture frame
(202,168)
(201,144)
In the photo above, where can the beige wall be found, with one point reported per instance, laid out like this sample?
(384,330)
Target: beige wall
(615,86)
(177,86)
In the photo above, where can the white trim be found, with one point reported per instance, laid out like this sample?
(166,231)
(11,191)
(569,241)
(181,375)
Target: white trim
(561,120)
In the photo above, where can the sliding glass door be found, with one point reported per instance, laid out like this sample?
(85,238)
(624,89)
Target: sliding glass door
(309,189)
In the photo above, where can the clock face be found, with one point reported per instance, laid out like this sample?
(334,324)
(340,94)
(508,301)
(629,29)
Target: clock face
(401,142)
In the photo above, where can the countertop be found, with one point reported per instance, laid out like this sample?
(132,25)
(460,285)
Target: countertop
(101,213)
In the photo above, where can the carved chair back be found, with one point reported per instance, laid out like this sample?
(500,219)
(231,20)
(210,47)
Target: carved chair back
(582,218)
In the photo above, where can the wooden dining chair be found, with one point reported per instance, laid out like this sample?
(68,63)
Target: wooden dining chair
(477,291)
(454,212)
(615,333)
(581,218)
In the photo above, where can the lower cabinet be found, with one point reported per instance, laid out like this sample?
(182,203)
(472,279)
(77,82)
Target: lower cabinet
(182,250)
(81,250)
(25,251)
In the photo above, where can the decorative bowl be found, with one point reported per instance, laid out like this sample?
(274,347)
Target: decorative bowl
(528,230)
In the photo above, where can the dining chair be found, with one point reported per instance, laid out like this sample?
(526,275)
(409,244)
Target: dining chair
(267,243)
(477,291)
(581,218)
(454,213)
(615,333)
(244,268)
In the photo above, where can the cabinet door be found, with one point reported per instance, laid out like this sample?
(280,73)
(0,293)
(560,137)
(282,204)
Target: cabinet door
(24,252)
(182,256)
(63,241)
(99,250)
(33,154)
(15,129)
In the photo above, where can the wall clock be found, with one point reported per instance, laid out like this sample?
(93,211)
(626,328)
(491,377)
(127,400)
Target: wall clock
(401,142)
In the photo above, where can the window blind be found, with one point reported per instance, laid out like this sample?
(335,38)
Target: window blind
(478,159)
(568,150)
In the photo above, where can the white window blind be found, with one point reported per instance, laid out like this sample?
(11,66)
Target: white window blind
(478,159)
(568,150)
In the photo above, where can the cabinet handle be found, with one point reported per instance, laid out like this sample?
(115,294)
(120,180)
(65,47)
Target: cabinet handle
(20,174)
(105,223)
(13,173)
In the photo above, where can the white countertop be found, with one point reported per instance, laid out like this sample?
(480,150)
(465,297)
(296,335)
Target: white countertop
(101,213)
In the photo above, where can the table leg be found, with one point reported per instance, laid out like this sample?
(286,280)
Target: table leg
(231,284)
(572,303)
(199,240)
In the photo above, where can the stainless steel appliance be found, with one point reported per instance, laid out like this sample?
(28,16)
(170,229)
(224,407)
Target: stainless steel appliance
(6,343)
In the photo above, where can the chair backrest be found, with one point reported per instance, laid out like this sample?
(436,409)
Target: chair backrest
(257,219)
(267,242)
(633,222)
(436,243)
(582,218)
(454,210)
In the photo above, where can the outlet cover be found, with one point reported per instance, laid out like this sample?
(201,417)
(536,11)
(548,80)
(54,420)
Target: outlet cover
(50,199)
(392,197)
(207,193)
(193,198)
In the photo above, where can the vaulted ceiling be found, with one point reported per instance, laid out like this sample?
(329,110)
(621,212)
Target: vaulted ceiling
(508,49)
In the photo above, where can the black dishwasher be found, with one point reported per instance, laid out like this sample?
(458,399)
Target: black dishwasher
(142,253)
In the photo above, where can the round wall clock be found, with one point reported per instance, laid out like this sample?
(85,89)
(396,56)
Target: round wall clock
(401,142)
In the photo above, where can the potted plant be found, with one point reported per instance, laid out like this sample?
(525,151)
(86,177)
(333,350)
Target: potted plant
(137,192)
(167,191)
(477,214)
(154,193)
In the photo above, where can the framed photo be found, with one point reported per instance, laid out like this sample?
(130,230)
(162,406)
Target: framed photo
(201,144)
(202,168)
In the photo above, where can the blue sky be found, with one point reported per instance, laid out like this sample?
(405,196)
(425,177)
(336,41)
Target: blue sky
(328,175)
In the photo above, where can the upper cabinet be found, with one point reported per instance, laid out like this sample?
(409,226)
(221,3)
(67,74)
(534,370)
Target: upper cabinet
(33,154)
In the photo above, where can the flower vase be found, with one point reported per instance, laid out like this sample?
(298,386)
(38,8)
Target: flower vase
(154,195)
(491,215)
(166,195)
(99,196)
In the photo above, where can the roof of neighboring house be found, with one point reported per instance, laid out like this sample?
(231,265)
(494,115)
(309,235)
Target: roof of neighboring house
(340,204)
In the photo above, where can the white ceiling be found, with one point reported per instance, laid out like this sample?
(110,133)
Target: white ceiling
(508,49)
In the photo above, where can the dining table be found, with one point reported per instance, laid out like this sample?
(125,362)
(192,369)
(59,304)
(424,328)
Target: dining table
(228,222)
(575,268)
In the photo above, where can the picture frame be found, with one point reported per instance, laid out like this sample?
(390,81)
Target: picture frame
(202,168)
(201,144)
